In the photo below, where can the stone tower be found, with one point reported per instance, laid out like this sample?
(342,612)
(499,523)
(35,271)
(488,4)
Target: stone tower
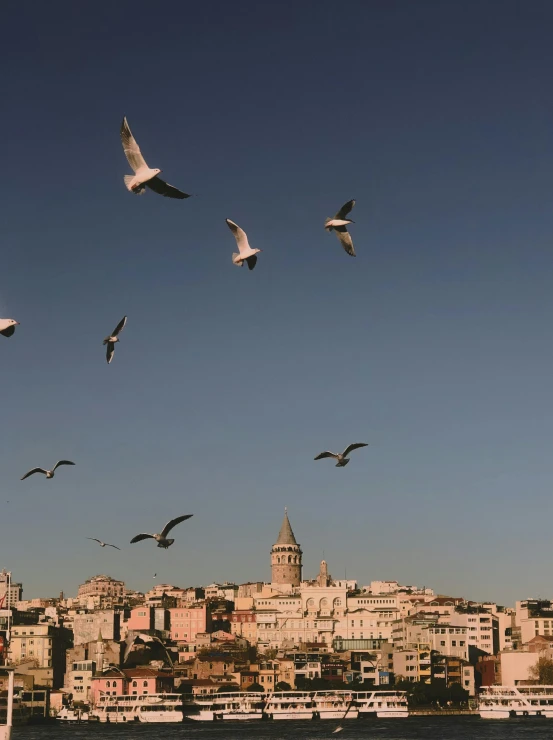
(286,556)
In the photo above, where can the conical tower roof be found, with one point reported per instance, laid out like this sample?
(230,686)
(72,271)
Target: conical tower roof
(286,536)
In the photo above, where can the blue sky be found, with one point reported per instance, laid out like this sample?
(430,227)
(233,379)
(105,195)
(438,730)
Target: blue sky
(434,345)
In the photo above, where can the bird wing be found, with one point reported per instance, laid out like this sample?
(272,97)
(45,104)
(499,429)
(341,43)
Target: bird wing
(34,470)
(110,351)
(240,236)
(62,462)
(252,261)
(345,209)
(142,536)
(119,327)
(115,546)
(8,332)
(173,523)
(352,447)
(95,540)
(325,454)
(163,188)
(131,148)
(345,239)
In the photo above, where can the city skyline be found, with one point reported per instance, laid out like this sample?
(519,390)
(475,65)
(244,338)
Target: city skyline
(432,344)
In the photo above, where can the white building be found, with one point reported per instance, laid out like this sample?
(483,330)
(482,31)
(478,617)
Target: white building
(449,640)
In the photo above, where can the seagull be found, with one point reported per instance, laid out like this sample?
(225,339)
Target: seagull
(103,544)
(155,575)
(343,459)
(245,252)
(110,341)
(48,473)
(7,326)
(338,729)
(161,539)
(144,176)
(339,223)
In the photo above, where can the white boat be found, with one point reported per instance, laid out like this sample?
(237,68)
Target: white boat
(289,705)
(382,704)
(232,705)
(502,702)
(148,708)
(70,714)
(334,705)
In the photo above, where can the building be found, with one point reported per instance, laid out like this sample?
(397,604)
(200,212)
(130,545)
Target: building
(87,625)
(10,592)
(187,621)
(41,646)
(449,640)
(131,682)
(243,623)
(78,680)
(534,617)
(101,591)
(286,557)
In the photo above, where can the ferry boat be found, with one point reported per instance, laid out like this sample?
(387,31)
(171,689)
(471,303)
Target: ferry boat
(70,714)
(503,702)
(334,705)
(232,705)
(148,708)
(289,705)
(381,704)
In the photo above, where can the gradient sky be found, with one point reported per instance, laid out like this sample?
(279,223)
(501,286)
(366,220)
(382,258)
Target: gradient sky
(434,345)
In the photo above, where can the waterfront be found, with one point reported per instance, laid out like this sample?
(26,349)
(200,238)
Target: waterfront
(414,728)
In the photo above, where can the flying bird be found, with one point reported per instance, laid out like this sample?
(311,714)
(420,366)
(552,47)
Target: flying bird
(103,544)
(144,177)
(161,538)
(48,473)
(245,252)
(114,337)
(339,224)
(7,326)
(338,729)
(343,459)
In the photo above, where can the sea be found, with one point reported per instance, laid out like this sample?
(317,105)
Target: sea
(419,728)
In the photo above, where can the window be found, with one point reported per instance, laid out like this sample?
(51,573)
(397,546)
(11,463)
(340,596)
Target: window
(135,683)
(442,643)
(144,683)
(454,643)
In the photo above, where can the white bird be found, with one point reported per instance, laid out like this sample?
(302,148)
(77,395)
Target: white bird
(245,252)
(48,473)
(161,538)
(338,729)
(339,223)
(110,341)
(7,326)
(103,544)
(343,458)
(144,176)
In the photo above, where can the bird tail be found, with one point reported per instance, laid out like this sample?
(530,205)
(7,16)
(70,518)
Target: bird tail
(105,341)
(170,542)
(327,221)
(345,461)
(236,259)
(140,190)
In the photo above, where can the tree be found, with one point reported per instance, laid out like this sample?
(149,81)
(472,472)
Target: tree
(256,687)
(542,672)
(283,686)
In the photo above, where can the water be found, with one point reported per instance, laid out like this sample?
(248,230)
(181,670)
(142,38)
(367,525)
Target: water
(414,728)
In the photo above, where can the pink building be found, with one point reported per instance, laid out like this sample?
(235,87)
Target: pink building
(142,619)
(187,621)
(131,682)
